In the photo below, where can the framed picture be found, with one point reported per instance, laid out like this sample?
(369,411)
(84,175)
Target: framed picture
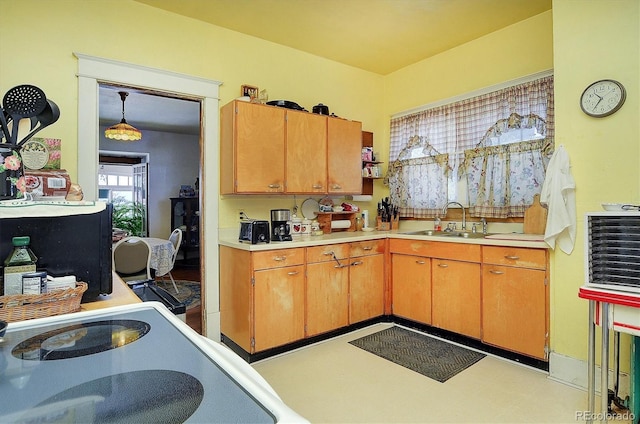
(250,90)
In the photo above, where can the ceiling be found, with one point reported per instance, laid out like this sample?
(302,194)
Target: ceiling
(380,36)
(149,111)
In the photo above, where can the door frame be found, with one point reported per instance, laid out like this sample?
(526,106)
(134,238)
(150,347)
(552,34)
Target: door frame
(95,70)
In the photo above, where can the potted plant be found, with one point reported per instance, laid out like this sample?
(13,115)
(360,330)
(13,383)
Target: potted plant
(129,216)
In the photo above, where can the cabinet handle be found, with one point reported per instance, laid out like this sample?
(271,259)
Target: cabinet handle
(293,272)
(274,185)
(496,272)
(513,258)
(328,253)
(367,248)
(420,262)
(340,266)
(280,258)
(336,187)
(357,263)
(443,265)
(316,186)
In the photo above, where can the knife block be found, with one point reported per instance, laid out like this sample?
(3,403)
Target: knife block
(386,226)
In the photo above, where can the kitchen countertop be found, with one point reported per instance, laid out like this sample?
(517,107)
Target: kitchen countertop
(229,238)
(121,295)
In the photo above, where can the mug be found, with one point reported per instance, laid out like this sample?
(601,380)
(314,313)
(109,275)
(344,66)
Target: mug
(306,227)
(296,227)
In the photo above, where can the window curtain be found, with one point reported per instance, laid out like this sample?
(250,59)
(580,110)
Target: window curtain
(451,130)
(503,179)
(419,184)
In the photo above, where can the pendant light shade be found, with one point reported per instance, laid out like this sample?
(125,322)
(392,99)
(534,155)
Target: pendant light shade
(123,131)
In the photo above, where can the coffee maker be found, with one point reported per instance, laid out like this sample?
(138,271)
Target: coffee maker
(280,228)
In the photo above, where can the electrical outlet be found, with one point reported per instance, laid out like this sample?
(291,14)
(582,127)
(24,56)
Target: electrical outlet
(241,215)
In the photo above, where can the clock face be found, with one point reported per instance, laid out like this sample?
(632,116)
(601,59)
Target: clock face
(602,98)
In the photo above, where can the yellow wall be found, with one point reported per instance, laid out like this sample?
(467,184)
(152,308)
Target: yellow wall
(593,40)
(582,40)
(38,38)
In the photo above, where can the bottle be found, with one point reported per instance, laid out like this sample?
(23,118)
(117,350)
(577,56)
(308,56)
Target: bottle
(20,261)
(358,223)
(437,226)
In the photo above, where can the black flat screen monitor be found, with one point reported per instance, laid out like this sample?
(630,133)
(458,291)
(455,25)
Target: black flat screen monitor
(77,245)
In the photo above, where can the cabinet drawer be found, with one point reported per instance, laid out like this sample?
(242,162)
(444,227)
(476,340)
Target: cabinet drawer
(515,256)
(433,249)
(277,258)
(364,248)
(326,253)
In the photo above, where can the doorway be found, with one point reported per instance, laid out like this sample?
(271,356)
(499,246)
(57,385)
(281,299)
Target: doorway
(92,71)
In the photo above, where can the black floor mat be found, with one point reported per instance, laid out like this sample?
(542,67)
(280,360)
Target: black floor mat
(430,357)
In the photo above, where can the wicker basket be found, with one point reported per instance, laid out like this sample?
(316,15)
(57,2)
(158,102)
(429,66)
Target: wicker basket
(21,307)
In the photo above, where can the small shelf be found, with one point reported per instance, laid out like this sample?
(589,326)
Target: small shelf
(325,218)
(367,181)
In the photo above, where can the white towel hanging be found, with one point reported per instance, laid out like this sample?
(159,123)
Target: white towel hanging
(558,193)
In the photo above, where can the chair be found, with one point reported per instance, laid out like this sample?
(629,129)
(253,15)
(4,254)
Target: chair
(176,239)
(131,257)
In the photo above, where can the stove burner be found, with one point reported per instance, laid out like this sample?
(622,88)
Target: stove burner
(153,396)
(80,340)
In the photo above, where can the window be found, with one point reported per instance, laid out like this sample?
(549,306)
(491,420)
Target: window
(488,152)
(115,181)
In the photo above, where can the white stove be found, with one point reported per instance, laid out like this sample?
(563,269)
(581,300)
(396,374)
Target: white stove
(134,363)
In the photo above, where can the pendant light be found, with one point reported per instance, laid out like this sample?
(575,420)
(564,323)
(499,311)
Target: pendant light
(123,131)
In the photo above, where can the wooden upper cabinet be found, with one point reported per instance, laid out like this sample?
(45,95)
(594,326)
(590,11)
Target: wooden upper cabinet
(344,149)
(268,150)
(306,147)
(252,148)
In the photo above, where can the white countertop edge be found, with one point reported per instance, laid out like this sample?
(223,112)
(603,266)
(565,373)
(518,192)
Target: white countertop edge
(227,239)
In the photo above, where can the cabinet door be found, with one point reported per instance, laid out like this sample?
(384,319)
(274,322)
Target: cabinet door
(306,167)
(411,282)
(278,307)
(259,148)
(235,296)
(456,296)
(344,149)
(514,309)
(366,288)
(327,297)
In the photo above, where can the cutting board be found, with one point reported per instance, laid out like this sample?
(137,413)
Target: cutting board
(535,217)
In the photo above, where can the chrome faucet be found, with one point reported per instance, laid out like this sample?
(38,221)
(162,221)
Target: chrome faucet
(464,216)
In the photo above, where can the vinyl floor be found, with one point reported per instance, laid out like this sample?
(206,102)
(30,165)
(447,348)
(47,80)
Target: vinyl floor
(336,382)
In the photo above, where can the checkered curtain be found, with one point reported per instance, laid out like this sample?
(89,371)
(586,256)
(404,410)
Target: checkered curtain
(451,130)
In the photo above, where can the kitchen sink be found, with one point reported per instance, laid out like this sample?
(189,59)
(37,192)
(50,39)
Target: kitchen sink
(453,234)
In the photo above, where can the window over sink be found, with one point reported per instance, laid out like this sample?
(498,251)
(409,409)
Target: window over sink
(488,152)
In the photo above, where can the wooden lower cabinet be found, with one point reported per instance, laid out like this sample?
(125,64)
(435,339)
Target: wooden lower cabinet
(327,294)
(275,297)
(515,300)
(411,291)
(278,306)
(497,294)
(262,297)
(455,295)
(366,288)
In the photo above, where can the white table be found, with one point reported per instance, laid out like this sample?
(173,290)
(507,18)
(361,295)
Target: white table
(161,254)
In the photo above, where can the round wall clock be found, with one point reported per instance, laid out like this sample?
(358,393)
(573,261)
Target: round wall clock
(602,98)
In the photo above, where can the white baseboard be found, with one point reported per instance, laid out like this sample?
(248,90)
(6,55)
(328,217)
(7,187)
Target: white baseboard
(573,372)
